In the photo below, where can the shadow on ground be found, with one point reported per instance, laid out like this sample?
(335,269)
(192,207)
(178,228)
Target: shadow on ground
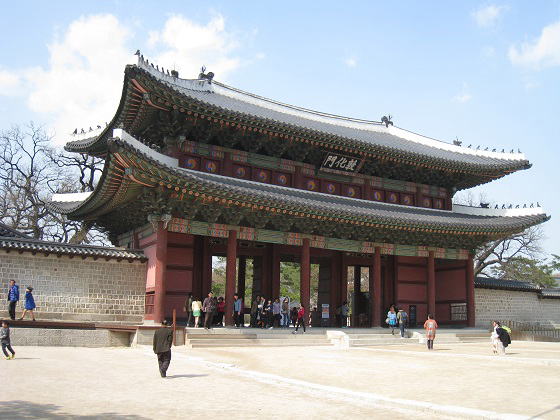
(19,410)
(185,376)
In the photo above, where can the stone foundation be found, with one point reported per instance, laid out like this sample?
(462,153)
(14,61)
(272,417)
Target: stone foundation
(76,289)
(68,337)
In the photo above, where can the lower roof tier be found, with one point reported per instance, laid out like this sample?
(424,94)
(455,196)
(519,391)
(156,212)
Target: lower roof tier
(138,181)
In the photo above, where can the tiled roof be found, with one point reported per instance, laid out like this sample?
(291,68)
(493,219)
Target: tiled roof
(369,133)
(493,283)
(520,286)
(315,202)
(44,247)
(550,293)
(9,232)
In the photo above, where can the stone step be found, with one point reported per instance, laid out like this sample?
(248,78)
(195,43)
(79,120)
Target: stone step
(255,343)
(221,336)
(371,336)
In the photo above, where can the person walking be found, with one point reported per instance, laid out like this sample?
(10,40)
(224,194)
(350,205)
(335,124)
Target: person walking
(268,316)
(293,315)
(300,319)
(402,319)
(163,339)
(188,308)
(276,309)
(29,304)
(430,326)
(5,341)
(196,311)
(392,319)
(344,309)
(255,311)
(221,308)
(13,298)
(209,308)
(237,311)
(285,311)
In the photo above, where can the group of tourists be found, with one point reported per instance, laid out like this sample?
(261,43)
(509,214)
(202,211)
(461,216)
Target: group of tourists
(399,319)
(13,299)
(208,313)
(264,313)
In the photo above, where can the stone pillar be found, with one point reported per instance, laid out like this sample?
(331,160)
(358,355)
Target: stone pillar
(231,261)
(305,276)
(431,284)
(375,286)
(241,277)
(470,292)
(160,271)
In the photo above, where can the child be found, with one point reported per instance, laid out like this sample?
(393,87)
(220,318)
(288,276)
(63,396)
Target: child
(29,303)
(430,326)
(5,340)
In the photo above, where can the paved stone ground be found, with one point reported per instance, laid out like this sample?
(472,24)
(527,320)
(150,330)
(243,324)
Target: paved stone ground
(397,382)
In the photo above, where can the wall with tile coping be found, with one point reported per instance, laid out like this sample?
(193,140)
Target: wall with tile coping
(76,289)
(509,305)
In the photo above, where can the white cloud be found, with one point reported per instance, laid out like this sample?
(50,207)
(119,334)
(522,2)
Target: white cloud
(463,96)
(488,15)
(9,83)
(82,83)
(351,62)
(542,52)
(187,45)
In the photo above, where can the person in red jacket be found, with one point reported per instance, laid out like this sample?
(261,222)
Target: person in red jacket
(300,319)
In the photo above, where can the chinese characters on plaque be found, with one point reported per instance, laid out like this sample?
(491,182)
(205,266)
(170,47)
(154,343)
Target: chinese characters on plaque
(340,163)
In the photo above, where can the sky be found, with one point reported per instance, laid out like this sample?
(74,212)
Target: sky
(486,73)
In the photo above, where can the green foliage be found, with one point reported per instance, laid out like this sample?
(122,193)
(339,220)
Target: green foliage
(528,270)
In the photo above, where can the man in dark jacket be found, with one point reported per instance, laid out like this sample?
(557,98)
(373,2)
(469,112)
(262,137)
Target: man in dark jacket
(163,338)
(209,308)
(13,297)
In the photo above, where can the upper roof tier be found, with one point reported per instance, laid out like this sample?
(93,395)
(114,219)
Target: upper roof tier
(148,91)
(132,168)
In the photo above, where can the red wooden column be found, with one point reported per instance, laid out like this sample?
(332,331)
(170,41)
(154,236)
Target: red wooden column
(375,287)
(275,271)
(343,279)
(357,295)
(470,292)
(160,272)
(206,283)
(231,261)
(431,284)
(305,276)
(241,277)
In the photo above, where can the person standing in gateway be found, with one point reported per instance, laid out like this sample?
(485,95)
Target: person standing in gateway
(188,309)
(163,339)
(209,307)
(13,298)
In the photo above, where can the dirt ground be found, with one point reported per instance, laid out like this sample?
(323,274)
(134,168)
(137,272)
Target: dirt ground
(397,382)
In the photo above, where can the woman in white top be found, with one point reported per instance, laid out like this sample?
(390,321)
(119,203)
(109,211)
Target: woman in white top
(196,309)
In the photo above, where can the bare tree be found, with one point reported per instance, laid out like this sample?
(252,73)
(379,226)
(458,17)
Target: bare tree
(31,170)
(526,244)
